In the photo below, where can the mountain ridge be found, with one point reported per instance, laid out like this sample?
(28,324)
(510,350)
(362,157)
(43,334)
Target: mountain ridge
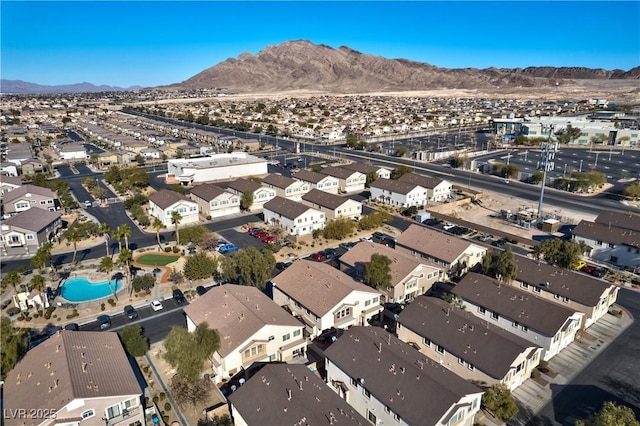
(19,87)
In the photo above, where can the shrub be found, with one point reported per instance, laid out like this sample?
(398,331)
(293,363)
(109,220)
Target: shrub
(156,399)
(102,307)
(176,249)
(49,311)
(167,249)
(167,406)
(163,396)
(208,217)
(13,311)
(143,282)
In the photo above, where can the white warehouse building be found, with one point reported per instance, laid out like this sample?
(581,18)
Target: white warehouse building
(215,167)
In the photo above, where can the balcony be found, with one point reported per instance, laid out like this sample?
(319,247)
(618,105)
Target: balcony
(128,416)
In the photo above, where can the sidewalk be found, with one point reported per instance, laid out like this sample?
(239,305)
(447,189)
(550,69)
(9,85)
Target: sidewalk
(534,394)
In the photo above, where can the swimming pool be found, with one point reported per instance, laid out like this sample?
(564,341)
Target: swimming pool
(80,289)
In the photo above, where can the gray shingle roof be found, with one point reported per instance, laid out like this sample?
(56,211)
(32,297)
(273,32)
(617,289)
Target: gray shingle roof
(166,198)
(69,365)
(244,185)
(619,220)
(412,386)
(490,349)
(24,190)
(32,220)
(324,199)
(337,171)
(278,181)
(610,234)
(285,207)
(362,168)
(309,176)
(207,191)
(265,398)
(510,302)
(396,186)
(317,286)
(574,285)
(237,312)
(424,181)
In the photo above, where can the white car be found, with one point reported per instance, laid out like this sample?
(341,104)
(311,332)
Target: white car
(156,305)
(88,203)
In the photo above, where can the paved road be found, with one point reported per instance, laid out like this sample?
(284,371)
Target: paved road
(612,376)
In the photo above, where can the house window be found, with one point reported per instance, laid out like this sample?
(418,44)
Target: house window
(536,289)
(524,328)
(471,367)
(494,315)
(482,310)
(565,299)
(30,237)
(286,337)
(271,338)
(296,333)
(426,342)
(366,393)
(515,324)
(367,303)
(354,382)
(524,285)
(133,402)
(113,411)
(556,296)
(396,416)
(343,313)
(87,414)
(599,243)
(387,409)
(461,361)
(372,417)
(22,205)
(440,349)
(252,352)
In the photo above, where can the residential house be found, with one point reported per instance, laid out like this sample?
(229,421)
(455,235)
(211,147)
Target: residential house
(613,237)
(454,254)
(398,194)
(438,190)
(29,230)
(126,157)
(324,297)
(74,378)
(367,169)
(31,166)
(289,393)
(286,187)
(319,181)
(8,184)
(72,151)
(349,180)
(29,196)
(151,153)
(389,382)
(466,345)
(214,201)
(332,205)
(106,159)
(575,290)
(8,169)
(410,277)
(260,193)
(295,218)
(252,328)
(164,202)
(547,324)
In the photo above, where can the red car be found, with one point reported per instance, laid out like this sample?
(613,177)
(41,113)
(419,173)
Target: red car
(261,235)
(318,257)
(588,269)
(269,238)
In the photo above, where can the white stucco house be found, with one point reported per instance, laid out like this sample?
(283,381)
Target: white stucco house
(164,202)
(294,217)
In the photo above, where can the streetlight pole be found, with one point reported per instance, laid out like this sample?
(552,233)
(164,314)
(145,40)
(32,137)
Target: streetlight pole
(596,164)
(547,155)
(580,171)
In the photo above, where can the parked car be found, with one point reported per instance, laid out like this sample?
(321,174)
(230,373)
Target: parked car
(328,253)
(581,264)
(72,327)
(156,305)
(448,226)
(260,235)
(347,246)
(178,296)
(600,272)
(281,266)
(201,290)
(588,269)
(499,243)
(318,257)
(130,312)
(484,237)
(88,203)
(269,238)
(255,230)
(229,248)
(105,322)
(432,222)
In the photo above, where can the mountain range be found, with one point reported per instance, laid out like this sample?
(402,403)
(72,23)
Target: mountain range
(301,66)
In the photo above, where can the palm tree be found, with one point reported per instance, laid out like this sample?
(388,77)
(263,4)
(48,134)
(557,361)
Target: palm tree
(106,264)
(116,234)
(37,282)
(158,225)
(74,235)
(13,279)
(126,233)
(43,255)
(176,217)
(105,229)
(124,260)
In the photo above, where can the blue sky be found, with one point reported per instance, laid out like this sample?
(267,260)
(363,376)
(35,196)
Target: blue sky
(151,43)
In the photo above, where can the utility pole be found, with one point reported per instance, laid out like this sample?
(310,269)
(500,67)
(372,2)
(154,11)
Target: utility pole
(548,153)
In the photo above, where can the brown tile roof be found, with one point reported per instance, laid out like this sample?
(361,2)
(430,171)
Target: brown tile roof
(317,286)
(33,219)
(244,185)
(439,245)
(22,191)
(166,198)
(512,303)
(412,386)
(285,207)
(396,186)
(207,191)
(69,365)
(489,348)
(610,234)
(265,397)
(337,171)
(324,199)
(237,312)
(401,264)
(619,220)
(576,286)
(278,181)
(424,181)
(309,176)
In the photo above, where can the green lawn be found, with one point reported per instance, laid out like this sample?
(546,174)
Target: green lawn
(157,259)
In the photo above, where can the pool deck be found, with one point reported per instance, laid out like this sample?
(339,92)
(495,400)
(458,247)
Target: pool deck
(167,269)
